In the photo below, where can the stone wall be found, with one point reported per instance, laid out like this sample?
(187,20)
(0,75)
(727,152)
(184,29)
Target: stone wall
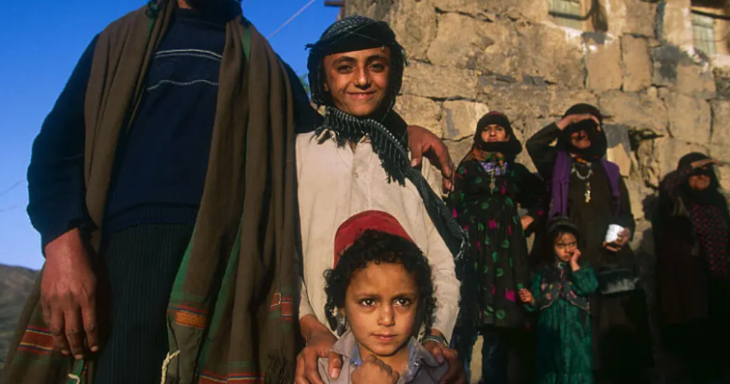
(660,97)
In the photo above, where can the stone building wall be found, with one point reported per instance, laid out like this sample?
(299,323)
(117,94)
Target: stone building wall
(661,97)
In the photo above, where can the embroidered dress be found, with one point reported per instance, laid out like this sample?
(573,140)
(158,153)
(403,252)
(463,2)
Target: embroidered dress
(484,202)
(564,343)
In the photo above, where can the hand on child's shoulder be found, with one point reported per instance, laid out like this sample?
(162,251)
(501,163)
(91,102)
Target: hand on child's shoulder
(374,371)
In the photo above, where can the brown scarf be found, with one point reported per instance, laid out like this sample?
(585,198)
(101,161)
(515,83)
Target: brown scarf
(230,317)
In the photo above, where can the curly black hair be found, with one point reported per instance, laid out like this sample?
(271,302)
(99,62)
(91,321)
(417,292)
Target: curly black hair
(379,247)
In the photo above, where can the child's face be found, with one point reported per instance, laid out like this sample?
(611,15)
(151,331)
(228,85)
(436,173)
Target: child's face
(565,246)
(380,306)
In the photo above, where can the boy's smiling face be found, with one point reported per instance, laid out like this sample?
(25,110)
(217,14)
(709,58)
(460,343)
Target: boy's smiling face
(381,306)
(358,81)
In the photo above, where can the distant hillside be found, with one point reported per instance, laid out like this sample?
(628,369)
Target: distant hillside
(15,285)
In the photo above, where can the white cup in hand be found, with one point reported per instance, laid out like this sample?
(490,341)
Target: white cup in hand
(613,233)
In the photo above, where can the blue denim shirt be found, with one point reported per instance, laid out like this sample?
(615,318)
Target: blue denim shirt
(423,368)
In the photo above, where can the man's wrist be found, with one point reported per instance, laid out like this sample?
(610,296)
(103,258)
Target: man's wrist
(436,337)
(68,244)
(310,326)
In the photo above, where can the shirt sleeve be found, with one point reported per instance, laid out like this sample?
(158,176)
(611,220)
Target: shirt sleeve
(56,187)
(305,308)
(541,151)
(584,281)
(443,272)
(456,197)
(672,181)
(533,194)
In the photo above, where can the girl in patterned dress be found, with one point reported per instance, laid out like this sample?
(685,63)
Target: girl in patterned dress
(560,292)
(488,188)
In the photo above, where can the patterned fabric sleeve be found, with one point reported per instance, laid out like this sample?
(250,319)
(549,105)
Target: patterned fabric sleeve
(535,291)
(456,197)
(584,281)
(533,194)
(671,183)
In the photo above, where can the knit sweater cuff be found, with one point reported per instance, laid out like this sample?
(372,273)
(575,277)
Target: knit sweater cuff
(58,219)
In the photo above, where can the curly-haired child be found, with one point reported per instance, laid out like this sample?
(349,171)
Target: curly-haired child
(379,298)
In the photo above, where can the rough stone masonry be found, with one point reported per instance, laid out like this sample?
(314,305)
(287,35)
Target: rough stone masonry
(662,97)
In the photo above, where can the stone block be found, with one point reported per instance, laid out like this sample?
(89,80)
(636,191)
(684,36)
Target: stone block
(638,193)
(636,63)
(619,147)
(678,72)
(690,119)
(720,152)
(460,42)
(638,111)
(668,151)
(437,82)
(414,22)
(562,99)
(633,17)
(553,54)
(533,10)
(458,149)
(467,7)
(421,111)
(722,82)
(460,118)
(603,63)
(520,102)
(720,122)
(375,9)
(640,18)
(675,23)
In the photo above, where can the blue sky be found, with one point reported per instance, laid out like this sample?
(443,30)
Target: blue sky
(41,48)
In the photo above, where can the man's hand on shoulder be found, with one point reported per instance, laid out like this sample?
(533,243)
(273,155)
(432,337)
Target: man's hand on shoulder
(319,343)
(423,142)
(442,353)
(68,296)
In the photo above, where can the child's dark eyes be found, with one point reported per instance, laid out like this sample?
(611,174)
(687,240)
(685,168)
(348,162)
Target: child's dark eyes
(367,302)
(378,67)
(403,302)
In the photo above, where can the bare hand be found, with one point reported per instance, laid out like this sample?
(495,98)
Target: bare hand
(703,163)
(423,142)
(68,296)
(374,371)
(526,221)
(526,296)
(319,345)
(455,374)
(574,260)
(573,119)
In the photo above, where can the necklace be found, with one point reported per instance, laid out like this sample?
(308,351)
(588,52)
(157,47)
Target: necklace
(574,170)
(494,168)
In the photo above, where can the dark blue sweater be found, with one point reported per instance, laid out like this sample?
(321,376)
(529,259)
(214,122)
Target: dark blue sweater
(161,167)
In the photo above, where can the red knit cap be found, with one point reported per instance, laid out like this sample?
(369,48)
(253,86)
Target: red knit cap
(353,227)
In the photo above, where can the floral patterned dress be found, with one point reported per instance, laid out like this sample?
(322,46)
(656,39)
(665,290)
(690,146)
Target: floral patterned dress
(485,202)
